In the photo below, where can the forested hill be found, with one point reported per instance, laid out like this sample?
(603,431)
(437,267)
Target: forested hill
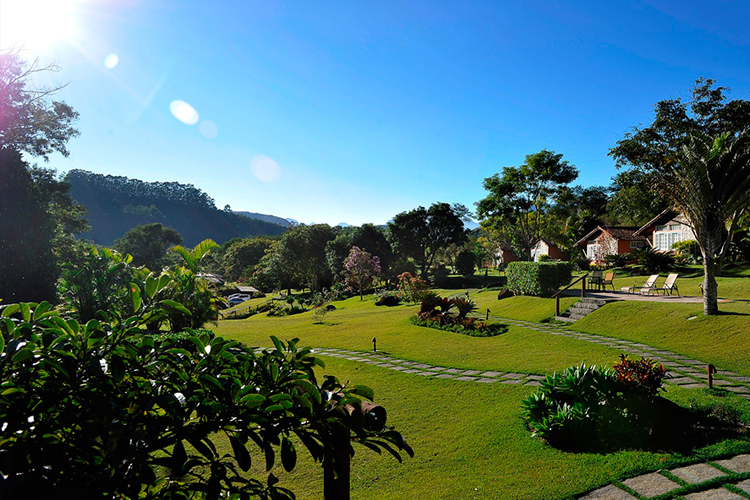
(117,204)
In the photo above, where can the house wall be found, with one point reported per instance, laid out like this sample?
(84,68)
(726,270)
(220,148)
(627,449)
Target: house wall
(665,235)
(556,253)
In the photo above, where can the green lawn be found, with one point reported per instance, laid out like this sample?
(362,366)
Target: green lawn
(468,438)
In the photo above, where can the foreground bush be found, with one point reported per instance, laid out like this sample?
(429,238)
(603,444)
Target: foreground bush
(100,410)
(591,408)
(537,278)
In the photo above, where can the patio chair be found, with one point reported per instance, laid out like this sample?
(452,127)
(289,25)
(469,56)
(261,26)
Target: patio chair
(608,278)
(647,287)
(595,280)
(670,285)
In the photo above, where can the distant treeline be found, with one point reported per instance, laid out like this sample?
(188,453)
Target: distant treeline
(116,204)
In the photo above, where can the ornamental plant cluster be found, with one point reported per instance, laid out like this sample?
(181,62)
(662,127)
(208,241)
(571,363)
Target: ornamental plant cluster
(597,409)
(409,287)
(103,409)
(452,314)
(538,278)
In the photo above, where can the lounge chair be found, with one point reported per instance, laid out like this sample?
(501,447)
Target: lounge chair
(670,285)
(647,287)
(608,278)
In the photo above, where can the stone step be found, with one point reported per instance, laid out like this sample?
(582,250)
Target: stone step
(576,317)
(583,311)
(586,305)
(593,300)
(567,319)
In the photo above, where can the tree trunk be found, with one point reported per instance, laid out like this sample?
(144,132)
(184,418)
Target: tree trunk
(710,287)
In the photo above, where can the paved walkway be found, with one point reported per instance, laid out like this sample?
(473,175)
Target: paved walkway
(656,297)
(721,480)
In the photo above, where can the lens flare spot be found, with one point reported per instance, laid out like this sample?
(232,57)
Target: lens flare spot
(184,112)
(208,129)
(111,61)
(265,168)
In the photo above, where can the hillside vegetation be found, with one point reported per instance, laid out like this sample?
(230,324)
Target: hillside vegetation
(116,204)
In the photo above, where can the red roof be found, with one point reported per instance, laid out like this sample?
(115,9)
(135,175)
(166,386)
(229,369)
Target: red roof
(626,233)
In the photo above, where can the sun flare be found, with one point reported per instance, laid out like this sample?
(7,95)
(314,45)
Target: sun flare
(36,24)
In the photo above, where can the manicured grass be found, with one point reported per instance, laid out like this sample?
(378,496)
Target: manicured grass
(468,437)
(355,323)
(469,442)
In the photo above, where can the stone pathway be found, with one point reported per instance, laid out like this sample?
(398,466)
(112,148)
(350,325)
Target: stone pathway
(721,480)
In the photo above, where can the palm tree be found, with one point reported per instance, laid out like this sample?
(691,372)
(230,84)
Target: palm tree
(709,180)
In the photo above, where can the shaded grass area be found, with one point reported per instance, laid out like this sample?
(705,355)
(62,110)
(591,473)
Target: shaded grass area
(469,442)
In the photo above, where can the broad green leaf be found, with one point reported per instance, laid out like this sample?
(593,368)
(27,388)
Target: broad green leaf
(22,355)
(364,391)
(252,400)
(241,455)
(288,454)
(174,305)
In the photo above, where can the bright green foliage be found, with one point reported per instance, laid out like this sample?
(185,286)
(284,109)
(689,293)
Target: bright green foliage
(585,407)
(537,278)
(520,201)
(197,294)
(98,410)
(421,233)
(94,279)
(243,255)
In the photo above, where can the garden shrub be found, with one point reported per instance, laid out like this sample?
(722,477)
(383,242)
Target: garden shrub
(537,278)
(598,409)
(688,252)
(409,286)
(651,261)
(472,327)
(616,260)
(465,262)
(100,410)
(437,312)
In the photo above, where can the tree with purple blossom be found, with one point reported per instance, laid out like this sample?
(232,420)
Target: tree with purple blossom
(361,269)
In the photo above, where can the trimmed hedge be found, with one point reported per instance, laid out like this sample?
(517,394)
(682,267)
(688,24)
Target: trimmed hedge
(538,278)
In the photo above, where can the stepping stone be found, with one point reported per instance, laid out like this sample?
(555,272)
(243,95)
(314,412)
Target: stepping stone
(354,358)
(472,372)
(740,379)
(486,380)
(536,377)
(399,368)
(697,473)
(533,382)
(744,485)
(466,379)
(739,390)
(445,375)
(610,492)
(672,364)
(694,386)
(425,374)
(724,382)
(650,485)
(695,362)
(372,361)
(514,375)
(385,365)
(740,463)
(422,366)
(412,370)
(453,370)
(714,494)
(681,380)
(490,374)
(436,369)
(510,381)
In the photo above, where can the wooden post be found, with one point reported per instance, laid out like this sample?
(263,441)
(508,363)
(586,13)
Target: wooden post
(557,305)
(711,369)
(583,287)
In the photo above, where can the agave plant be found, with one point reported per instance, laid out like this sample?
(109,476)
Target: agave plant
(464,306)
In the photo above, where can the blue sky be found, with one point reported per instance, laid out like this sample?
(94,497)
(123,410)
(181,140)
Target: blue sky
(345,111)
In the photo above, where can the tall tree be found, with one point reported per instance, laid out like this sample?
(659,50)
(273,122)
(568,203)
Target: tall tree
(708,179)
(361,269)
(420,233)
(520,200)
(30,121)
(37,215)
(243,255)
(148,244)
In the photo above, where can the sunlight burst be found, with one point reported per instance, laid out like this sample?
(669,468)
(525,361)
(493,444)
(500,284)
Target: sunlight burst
(36,24)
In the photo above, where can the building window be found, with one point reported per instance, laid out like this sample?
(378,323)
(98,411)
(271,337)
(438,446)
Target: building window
(664,240)
(636,244)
